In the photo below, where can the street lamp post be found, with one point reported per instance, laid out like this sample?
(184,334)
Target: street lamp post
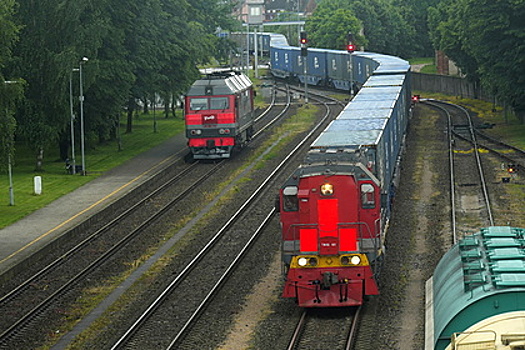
(11,190)
(9,166)
(73,162)
(81,98)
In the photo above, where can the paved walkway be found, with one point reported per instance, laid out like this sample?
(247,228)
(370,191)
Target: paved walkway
(27,236)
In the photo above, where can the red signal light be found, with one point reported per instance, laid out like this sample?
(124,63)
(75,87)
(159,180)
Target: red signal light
(415,98)
(303,38)
(350,42)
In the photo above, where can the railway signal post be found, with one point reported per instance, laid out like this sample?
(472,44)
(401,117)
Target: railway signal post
(304,54)
(350,47)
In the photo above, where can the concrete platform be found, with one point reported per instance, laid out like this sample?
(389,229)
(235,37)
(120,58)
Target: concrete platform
(31,234)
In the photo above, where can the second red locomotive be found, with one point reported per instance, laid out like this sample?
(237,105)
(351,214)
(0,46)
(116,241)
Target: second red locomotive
(219,114)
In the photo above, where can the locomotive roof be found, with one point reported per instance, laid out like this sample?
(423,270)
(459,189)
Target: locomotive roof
(220,83)
(481,276)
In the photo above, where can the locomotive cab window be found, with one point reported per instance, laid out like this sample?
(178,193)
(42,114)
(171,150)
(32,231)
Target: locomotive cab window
(290,200)
(219,103)
(368,196)
(198,104)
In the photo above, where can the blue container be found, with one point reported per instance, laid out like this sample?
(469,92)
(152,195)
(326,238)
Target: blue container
(339,69)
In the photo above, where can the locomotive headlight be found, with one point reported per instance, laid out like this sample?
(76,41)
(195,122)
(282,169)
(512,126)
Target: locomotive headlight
(355,260)
(195,132)
(302,261)
(224,131)
(312,262)
(345,260)
(327,189)
(350,260)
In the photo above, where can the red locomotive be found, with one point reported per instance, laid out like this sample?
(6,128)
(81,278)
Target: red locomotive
(219,114)
(330,228)
(335,207)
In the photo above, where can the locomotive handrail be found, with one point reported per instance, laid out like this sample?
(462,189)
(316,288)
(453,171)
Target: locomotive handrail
(362,227)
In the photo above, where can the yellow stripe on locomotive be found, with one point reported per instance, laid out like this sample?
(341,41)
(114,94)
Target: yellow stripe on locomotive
(316,261)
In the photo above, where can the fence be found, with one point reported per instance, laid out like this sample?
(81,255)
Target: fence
(449,85)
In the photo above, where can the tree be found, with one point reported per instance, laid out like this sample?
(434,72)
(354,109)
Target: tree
(328,28)
(486,40)
(377,24)
(415,14)
(495,35)
(135,49)
(9,92)
(53,38)
(385,28)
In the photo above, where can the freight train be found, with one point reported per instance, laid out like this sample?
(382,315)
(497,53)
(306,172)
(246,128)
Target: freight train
(334,209)
(219,114)
(476,297)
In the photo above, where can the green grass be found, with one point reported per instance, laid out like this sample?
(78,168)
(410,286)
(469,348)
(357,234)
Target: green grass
(428,62)
(98,157)
(421,60)
(429,69)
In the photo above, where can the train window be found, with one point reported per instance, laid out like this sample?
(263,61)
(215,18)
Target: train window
(198,104)
(367,196)
(219,103)
(290,200)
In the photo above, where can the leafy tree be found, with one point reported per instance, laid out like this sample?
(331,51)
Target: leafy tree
(445,35)
(328,28)
(378,24)
(384,27)
(496,37)
(52,40)
(415,14)
(486,40)
(9,93)
(135,49)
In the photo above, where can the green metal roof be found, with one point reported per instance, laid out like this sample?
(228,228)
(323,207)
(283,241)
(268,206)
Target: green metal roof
(481,276)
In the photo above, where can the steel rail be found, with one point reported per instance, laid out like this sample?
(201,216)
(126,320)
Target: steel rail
(214,239)
(61,259)
(451,168)
(222,279)
(471,130)
(297,332)
(106,255)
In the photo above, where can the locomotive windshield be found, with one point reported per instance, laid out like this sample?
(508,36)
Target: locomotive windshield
(207,103)
(198,104)
(219,103)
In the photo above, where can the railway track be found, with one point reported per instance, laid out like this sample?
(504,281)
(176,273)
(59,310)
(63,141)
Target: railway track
(473,176)
(326,329)
(28,306)
(73,268)
(191,291)
(508,153)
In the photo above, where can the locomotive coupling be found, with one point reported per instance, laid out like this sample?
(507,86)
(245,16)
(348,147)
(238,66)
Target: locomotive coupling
(329,279)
